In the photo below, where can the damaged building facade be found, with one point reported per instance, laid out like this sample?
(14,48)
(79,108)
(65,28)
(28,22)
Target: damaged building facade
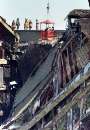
(8,39)
(56,93)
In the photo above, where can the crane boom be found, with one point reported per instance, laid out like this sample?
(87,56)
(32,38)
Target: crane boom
(89,2)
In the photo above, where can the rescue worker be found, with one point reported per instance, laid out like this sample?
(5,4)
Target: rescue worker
(17,23)
(30,24)
(13,25)
(26,24)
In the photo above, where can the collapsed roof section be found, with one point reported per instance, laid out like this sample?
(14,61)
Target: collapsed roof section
(34,83)
(34,56)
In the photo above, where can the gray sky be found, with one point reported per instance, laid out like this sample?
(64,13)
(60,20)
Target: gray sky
(36,9)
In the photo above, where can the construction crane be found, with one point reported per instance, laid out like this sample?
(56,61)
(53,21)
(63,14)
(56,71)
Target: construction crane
(48,35)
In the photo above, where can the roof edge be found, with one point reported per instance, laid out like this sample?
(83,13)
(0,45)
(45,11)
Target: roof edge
(8,27)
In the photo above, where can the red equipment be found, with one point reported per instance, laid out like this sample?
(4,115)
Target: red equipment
(49,33)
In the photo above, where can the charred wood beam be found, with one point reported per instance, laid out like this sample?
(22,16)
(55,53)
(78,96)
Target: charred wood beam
(60,70)
(56,101)
(73,58)
(63,70)
(69,69)
(67,107)
(71,40)
(64,55)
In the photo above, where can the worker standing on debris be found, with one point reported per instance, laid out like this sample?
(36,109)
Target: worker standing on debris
(17,23)
(13,25)
(30,24)
(26,24)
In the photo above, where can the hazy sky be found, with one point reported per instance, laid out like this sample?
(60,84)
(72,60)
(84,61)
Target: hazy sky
(36,9)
